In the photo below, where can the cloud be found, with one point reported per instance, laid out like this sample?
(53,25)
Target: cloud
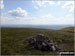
(19,12)
(51,3)
(59,2)
(47,16)
(42,20)
(35,7)
(70,5)
(42,3)
(39,3)
(71,9)
(1,4)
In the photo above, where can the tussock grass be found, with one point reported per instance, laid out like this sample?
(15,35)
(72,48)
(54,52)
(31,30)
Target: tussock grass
(12,41)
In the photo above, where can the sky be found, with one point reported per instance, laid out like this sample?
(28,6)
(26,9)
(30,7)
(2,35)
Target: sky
(37,12)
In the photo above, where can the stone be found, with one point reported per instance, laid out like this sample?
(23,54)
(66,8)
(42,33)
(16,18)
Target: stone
(41,42)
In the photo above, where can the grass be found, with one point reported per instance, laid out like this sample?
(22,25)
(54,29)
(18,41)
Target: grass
(12,41)
(68,29)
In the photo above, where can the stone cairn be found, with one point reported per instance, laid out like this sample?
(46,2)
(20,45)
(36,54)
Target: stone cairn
(41,42)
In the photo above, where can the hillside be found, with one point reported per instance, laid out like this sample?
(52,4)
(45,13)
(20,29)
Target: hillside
(12,40)
(68,29)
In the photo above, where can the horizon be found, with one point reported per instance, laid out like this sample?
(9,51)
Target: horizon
(38,24)
(55,27)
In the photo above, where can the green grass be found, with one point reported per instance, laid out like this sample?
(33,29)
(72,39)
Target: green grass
(68,29)
(12,41)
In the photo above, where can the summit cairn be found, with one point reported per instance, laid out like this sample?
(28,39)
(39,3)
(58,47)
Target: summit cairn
(42,43)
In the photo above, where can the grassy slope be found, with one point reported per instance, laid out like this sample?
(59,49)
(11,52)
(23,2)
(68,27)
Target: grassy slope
(12,40)
(68,29)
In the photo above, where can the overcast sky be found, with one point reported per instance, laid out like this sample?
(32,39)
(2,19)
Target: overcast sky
(37,12)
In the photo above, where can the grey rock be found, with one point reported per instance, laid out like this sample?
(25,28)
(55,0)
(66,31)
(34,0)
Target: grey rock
(42,43)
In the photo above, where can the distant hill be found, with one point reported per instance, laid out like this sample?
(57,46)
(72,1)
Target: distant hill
(55,27)
(68,29)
